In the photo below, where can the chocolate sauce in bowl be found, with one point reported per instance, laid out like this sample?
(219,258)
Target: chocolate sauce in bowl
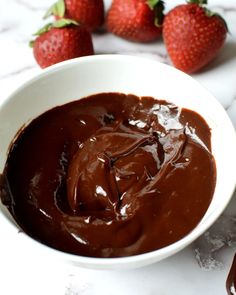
(110,175)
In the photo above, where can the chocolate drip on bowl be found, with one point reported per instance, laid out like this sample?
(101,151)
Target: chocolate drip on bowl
(231,279)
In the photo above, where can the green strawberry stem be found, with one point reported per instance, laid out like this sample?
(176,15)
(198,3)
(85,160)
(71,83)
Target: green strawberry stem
(57,9)
(208,12)
(64,22)
(43,30)
(153,3)
(61,23)
(199,2)
(31,43)
(158,6)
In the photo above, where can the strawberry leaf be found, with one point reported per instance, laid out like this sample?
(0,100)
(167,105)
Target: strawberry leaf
(199,2)
(158,6)
(31,43)
(152,3)
(63,22)
(57,9)
(43,30)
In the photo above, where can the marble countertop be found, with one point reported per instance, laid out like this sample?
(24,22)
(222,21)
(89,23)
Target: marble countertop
(199,269)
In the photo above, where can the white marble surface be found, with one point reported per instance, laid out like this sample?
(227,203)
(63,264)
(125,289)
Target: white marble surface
(202,267)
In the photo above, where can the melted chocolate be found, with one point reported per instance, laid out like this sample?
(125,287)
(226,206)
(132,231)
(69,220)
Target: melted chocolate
(231,279)
(110,175)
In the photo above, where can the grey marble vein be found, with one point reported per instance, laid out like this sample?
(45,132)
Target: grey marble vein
(161,56)
(208,247)
(230,103)
(17,72)
(5,29)
(225,9)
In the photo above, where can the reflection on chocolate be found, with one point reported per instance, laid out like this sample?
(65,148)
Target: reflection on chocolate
(231,279)
(110,175)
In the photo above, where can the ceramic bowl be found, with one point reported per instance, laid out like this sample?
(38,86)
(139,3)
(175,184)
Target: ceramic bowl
(81,77)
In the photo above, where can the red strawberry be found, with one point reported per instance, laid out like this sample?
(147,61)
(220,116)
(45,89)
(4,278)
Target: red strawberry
(62,40)
(193,35)
(89,13)
(136,20)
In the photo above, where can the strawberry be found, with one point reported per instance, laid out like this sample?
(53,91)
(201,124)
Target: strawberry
(61,40)
(136,20)
(193,35)
(89,13)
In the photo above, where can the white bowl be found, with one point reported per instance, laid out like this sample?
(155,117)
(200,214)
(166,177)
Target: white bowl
(81,77)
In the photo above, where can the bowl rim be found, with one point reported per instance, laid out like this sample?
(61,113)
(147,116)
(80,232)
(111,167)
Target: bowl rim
(106,263)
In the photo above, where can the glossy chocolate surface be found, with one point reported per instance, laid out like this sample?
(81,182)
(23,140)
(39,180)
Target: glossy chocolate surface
(110,175)
(231,279)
